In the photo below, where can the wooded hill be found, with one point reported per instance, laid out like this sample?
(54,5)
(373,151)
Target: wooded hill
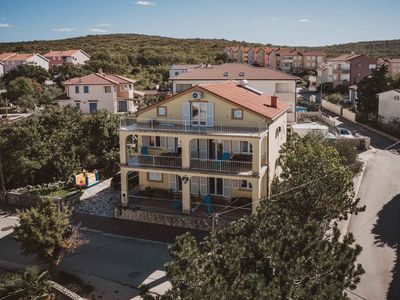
(148,58)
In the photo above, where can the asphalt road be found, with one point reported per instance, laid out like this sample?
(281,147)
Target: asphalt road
(128,262)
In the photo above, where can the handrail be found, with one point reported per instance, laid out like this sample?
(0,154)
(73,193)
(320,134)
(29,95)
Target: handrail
(163,124)
(156,160)
(221,165)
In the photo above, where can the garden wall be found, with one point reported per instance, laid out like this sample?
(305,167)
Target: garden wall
(339,110)
(26,200)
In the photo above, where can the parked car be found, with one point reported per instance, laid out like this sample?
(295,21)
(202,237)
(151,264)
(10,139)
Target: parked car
(343,133)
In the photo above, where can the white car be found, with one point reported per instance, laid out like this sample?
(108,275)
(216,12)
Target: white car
(343,133)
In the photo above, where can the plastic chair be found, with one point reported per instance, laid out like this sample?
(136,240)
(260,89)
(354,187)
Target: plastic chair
(144,151)
(207,201)
(225,156)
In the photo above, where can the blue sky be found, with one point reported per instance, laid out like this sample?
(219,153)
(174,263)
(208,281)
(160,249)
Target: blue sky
(283,22)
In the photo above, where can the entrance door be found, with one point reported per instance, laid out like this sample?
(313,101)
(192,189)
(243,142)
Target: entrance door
(92,107)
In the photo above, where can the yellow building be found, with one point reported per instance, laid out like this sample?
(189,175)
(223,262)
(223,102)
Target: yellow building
(207,149)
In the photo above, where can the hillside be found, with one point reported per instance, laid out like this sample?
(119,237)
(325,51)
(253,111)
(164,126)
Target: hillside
(148,58)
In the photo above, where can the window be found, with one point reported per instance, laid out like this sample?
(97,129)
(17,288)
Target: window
(182,87)
(154,176)
(215,186)
(155,141)
(359,65)
(77,106)
(107,89)
(246,147)
(86,89)
(77,89)
(176,73)
(358,74)
(130,87)
(396,97)
(237,114)
(199,113)
(162,111)
(244,184)
(92,107)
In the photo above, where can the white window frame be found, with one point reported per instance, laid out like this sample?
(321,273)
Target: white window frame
(245,185)
(249,147)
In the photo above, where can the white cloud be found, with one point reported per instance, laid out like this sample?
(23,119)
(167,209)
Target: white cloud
(64,29)
(304,20)
(97,30)
(5,25)
(145,3)
(103,25)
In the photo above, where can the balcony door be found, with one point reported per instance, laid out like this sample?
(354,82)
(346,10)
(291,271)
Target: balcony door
(198,114)
(216,186)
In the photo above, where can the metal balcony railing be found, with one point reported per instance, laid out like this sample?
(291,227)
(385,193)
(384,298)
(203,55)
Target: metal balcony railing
(166,125)
(220,165)
(157,161)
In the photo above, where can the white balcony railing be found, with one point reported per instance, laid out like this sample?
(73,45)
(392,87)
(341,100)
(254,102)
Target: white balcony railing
(221,165)
(156,161)
(167,125)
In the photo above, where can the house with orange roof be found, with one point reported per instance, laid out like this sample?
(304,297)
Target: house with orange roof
(12,60)
(393,65)
(96,91)
(349,69)
(204,150)
(75,57)
(242,55)
(265,57)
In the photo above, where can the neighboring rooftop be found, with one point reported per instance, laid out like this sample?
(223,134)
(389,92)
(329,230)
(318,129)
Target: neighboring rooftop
(234,71)
(345,57)
(4,56)
(313,53)
(185,67)
(99,79)
(63,53)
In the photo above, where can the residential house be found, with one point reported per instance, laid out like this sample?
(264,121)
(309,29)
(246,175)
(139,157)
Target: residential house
(232,53)
(75,57)
(205,149)
(268,81)
(349,69)
(312,59)
(393,65)
(243,55)
(289,60)
(322,73)
(1,69)
(176,70)
(266,57)
(12,60)
(93,92)
(251,56)
(389,106)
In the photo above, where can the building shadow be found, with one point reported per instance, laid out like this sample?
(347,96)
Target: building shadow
(387,233)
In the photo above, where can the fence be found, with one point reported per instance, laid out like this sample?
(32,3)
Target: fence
(28,200)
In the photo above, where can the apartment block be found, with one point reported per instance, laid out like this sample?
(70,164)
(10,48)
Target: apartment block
(210,147)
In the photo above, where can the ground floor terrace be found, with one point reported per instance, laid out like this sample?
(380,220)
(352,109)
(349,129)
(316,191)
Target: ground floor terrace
(191,194)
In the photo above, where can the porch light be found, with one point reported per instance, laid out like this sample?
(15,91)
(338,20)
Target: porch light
(185,179)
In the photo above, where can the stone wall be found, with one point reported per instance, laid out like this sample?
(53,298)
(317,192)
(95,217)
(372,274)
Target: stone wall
(162,218)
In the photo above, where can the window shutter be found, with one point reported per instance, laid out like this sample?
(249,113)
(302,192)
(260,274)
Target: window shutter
(171,144)
(194,185)
(227,146)
(210,114)
(193,149)
(186,113)
(235,146)
(227,188)
(145,141)
(163,142)
(203,186)
(172,182)
(203,149)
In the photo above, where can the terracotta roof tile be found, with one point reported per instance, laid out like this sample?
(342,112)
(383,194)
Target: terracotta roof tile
(345,57)
(99,79)
(62,53)
(4,56)
(231,71)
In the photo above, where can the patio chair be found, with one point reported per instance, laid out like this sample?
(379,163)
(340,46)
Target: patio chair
(207,201)
(225,156)
(144,151)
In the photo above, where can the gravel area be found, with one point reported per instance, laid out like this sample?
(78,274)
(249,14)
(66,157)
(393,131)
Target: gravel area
(99,200)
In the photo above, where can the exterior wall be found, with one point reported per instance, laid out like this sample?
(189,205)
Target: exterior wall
(389,108)
(96,93)
(276,138)
(79,58)
(251,57)
(34,60)
(222,110)
(394,68)
(360,68)
(261,58)
(1,69)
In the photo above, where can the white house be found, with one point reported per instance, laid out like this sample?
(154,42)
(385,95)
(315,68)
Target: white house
(1,69)
(75,57)
(389,105)
(97,91)
(267,81)
(12,60)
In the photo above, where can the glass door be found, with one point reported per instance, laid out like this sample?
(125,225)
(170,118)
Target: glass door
(199,113)
(215,186)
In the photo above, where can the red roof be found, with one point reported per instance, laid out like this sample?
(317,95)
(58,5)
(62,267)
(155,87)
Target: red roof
(4,56)
(233,71)
(99,79)
(345,57)
(235,93)
(313,53)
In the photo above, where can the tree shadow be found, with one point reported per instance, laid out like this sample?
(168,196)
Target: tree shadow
(387,233)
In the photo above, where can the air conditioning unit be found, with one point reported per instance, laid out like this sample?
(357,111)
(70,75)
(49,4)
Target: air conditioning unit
(197,95)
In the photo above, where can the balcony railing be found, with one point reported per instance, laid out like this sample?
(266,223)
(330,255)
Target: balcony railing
(157,161)
(220,165)
(167,125)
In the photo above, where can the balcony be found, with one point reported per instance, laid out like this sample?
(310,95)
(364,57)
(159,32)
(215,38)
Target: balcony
(185,126)
(164,161)
(341,70)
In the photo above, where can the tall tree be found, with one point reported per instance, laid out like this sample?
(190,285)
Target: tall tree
(36,73)
(46,232)
(324,183)
(26,89)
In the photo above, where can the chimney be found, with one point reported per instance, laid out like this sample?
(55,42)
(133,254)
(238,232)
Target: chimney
(274,101)
(243,82)
(352,53)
